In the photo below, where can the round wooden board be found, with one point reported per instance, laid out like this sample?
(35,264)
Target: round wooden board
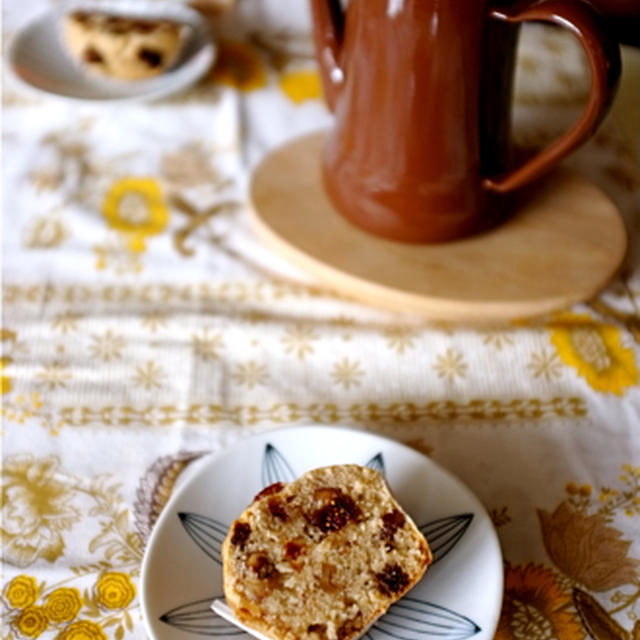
(561,245)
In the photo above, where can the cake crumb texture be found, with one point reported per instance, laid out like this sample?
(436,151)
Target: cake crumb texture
(322,557)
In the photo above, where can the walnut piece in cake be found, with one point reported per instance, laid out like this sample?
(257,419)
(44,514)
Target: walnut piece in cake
(125,48)
(321,558)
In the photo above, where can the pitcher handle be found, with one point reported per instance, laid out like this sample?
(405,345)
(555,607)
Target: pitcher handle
(328,25)
(603,55)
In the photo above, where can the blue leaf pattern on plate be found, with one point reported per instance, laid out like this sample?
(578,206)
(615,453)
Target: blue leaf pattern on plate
(198,617)
(275,467)
(444,534)
(207,533)
(377,464)
(413,619)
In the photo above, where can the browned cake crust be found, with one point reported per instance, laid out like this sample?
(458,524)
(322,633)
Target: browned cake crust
(122,47)
(322,557)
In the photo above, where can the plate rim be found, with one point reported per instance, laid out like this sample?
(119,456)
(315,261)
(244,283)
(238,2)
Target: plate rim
(202,34)
(207,461)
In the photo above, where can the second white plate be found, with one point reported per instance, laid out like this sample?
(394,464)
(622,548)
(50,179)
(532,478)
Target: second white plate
(459,597)
(38,60)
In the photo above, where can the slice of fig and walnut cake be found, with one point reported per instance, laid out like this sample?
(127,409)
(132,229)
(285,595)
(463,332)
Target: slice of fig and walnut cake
(322,557)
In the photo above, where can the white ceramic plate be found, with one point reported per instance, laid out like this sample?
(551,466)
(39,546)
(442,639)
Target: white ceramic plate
(39,61)
(459,597)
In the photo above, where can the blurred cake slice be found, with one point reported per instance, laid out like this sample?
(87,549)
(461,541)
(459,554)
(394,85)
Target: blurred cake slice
(121,47)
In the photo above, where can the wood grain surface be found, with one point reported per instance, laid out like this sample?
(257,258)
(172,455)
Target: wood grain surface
(563,242)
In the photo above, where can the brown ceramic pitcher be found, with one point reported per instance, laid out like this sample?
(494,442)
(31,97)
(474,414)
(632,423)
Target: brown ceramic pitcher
(421,91)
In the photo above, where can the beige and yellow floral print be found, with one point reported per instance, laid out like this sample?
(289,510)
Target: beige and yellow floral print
(545,365)
(299,339)
(64,613)
(9,339)
(401,338)
(596,351)
(66,322)
(31,621)
(114,590)
(591,563)
(21,592)
(475,412)
(190,170)
(54,375)
(5,380)
(83,630)
(300,85)
(41,504)
(116,254)
(207,344)
(48,231)
(347,373)
(62,604)
(107,346)
(290,55)
(451,365)
(149,376)
(250,374)
(586,549)
(37,509)
(134,209)
(135,206)
(189,166)
(537,606)
(497,339)
(19,407)
(154,320)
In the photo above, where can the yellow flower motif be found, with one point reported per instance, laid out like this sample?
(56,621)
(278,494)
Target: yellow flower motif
(83,630)
(31,622)
(63,605)
(135,206)
(596,352)
(301,85)
(239,66)
(35,510)
(5,381)
(21,592)
(115,590)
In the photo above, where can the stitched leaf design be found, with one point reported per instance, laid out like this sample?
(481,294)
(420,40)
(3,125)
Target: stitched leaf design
(156,486)
(207,533)
(444,534)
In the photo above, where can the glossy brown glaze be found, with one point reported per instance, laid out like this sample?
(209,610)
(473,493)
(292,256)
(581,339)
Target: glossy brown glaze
(623,17)
(421,94)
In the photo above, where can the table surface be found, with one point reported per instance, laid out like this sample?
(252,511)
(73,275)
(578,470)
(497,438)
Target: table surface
(144,324)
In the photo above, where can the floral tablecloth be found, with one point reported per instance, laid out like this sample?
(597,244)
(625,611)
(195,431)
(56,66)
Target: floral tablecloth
(144,325)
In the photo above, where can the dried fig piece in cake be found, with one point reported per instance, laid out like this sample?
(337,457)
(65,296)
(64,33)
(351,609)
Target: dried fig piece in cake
(322,557)
(121,47)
